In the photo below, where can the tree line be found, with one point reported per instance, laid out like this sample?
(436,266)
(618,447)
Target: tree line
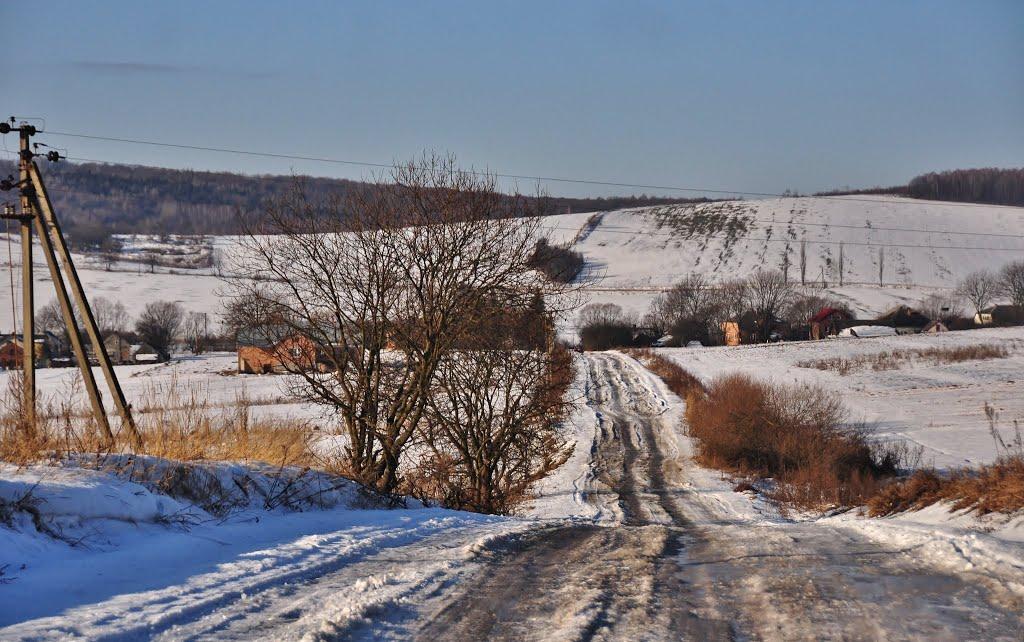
(95,200)
(991,185)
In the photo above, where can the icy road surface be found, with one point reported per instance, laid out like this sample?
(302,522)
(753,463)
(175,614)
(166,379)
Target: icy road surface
(657,550)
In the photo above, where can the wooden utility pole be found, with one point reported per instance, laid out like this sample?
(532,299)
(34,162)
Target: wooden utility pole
(37,209)
(28,308)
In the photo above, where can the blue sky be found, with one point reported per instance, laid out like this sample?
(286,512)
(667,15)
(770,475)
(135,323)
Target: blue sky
(751,96)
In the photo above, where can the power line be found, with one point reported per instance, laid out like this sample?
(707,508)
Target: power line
(539,179)
(783,240)
(626,230)
(773,222)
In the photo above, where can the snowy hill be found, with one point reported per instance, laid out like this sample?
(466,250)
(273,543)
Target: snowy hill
(632,254)
(923,245)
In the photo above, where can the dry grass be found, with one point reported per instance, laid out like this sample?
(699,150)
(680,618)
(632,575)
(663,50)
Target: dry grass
(895,359)
(991,488)
(177,423)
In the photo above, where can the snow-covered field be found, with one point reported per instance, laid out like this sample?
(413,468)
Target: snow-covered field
(940,407)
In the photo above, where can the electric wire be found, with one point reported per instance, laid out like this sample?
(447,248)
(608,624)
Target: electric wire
(527,177)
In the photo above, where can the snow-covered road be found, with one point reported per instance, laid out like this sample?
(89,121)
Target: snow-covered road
(675,567)
(658,548)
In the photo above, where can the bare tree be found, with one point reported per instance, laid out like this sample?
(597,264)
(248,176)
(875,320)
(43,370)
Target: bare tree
(688,309)
(493,428)
(195,330)
(1011,282)
(383,285)
(110,252)
(111,316)
(49,318)
(730,302)
(159,324)
(980,288)
(151,259)
(767,295)
(841,264)
(881,265)
(602,314)
(940,307)
(785,263)
(803,261)
(217,261)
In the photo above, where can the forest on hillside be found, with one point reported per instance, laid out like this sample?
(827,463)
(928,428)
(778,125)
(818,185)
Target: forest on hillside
(988,185)
(95,200)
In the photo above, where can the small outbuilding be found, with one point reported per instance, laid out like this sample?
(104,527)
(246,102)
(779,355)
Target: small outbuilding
(934,327)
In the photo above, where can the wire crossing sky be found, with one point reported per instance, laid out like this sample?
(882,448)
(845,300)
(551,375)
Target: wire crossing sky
(751,96)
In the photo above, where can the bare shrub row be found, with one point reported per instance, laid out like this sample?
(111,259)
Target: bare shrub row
(895,359)
(991,488)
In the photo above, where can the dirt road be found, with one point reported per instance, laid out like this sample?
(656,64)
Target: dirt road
(670,570)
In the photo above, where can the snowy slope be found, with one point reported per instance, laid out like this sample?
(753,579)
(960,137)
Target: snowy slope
(632,254)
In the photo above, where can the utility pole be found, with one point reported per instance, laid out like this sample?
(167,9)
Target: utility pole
(37,210)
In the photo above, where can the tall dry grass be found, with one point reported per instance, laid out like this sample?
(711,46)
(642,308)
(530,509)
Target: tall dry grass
(177,422)
(990,488)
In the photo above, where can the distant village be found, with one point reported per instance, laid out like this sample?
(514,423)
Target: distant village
(292,351)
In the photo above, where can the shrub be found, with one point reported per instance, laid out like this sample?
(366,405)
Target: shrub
(992,488)
(603,326)
(558,263)
(797,435)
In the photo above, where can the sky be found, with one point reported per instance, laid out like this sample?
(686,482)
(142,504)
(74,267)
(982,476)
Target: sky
(743,96)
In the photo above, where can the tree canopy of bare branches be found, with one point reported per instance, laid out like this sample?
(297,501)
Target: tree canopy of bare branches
(767,294)
(111,316)
(386,283)
(1011,282)
(159,324)
(493,425)
(980,288)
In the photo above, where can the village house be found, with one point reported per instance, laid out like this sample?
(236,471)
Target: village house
(1000,315)
(118,348)
(11,350)
(293,353)
(828,322)
(122,351)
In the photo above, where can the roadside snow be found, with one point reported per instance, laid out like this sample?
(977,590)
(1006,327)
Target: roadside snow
(940,407)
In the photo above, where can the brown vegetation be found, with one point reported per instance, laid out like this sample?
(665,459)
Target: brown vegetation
(991,488)
(796,435)
(177,422)
(895,359)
